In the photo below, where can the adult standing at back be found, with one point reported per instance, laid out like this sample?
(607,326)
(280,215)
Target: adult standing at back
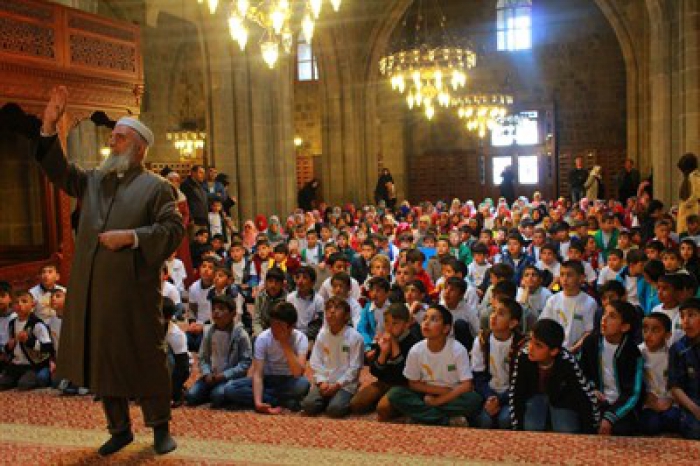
(629,182)
(594,184)
(577,180)
(507,186)
(197,199)
(215,190)
(112,337)
(381,191)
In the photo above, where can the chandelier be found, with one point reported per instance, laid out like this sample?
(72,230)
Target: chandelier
(187,140)
(482,111)
(280,20)
(430,69)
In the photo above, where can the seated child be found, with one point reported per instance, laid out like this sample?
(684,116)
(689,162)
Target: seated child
(387,361)
(515,256)
(548,261)
(340,287)
(612,362)
(338,262)
(177,272)
(497,273)
(178,357)
(48,281)
(631,276)
(336,361)
(547,383)
(198,246)
(312,254)
(670,288)
(415,257)
(684,367)
(477,270)
(273,294)
(199,304)
(465,320)
(491,357)
(225,355)
(6,315)
(244,274)
(573,309)
(309,304)
(440,383)
(29,347)
(649,298)
(659,413)
(171,292)
(576,251)
(279,362)
(371,321)
(613,267)
(532,296)
(434,266)
(653,249)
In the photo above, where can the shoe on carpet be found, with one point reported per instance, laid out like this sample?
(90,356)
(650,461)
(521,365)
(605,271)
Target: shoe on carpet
(116,443)
(458,421)
(162,440)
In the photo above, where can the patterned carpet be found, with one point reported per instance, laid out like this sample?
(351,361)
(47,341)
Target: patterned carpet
(44,428)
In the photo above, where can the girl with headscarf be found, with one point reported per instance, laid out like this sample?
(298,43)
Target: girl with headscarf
(250,234)
(274,230)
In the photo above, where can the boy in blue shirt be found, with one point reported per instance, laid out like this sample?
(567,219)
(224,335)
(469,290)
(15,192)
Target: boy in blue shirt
(684,370)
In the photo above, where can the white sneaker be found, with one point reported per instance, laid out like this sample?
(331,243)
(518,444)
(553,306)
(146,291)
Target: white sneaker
(458,421)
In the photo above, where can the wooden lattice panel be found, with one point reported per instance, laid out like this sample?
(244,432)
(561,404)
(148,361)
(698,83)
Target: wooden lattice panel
(305,170)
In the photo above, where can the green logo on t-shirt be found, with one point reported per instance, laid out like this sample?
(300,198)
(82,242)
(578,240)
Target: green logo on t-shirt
(346,349)
(451,368)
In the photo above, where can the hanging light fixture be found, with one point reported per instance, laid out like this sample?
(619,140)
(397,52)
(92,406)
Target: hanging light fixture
(482,111)
(281,20)
(430,68)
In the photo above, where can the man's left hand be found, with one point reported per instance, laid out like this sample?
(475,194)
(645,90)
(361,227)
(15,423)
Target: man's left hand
(117,239)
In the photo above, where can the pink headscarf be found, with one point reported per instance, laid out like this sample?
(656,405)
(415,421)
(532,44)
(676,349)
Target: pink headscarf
(249,235)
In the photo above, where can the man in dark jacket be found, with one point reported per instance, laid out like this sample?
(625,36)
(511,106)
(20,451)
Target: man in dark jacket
(629,182)
(193,188)
(577,180)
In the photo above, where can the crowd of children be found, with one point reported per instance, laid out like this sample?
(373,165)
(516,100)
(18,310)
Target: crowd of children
(537,316)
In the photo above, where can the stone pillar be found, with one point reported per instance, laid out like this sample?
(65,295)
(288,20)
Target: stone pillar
(689,31)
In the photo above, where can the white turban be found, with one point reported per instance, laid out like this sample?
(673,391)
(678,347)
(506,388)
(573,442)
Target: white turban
(139,127)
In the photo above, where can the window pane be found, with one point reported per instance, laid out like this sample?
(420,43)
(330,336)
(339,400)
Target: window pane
(498,164)
(306,71)
(527,133)
(304,52)
(502,136)
(514,26)
(528,169)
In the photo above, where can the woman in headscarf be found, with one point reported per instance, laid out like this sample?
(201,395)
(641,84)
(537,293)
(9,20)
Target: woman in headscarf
(274,230)
(381,191)
(183,251)
(249,235)
(307,195)
(594,183)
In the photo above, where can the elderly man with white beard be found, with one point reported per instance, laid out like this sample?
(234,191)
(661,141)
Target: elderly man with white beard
(113,337)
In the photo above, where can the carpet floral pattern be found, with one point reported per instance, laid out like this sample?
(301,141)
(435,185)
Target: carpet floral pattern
(44,428)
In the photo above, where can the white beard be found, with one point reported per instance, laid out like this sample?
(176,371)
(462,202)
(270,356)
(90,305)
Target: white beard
(118,163)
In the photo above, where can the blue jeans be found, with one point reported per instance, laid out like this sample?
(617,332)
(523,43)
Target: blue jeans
(500,421)
(201,392)
(538,410)
(690,426)
(278,390)
(653,423)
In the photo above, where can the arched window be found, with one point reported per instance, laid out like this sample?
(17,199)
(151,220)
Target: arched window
(514,24)
(307,66)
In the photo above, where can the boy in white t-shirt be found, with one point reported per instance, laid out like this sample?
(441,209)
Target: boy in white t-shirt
(440,383)
(199,304)
(659,412)
(491,358)
(336,361)
(548,261)
(573,309)
(532,296)
(177,272)
(178,357)
(6,315)
(613,268)
(48,281)
(171,292)
(670,289)
(279,362)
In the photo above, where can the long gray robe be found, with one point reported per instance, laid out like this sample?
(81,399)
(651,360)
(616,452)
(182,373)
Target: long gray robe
(113,339)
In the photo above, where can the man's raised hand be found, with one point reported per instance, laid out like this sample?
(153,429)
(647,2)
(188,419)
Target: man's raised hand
(54,109)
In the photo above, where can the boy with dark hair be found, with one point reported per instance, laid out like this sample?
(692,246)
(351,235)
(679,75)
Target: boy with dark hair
(516,257)
(547,383)
(550,263)
(224,356)
(309,304)
(491,362)
(652,271)
(6,315)
(612,362)
(434,263)
(279,362)
(479,267)
(338,263)
(312,254)
(576,253)
(415,257)
(670,289)
(340,286)
(632,277)
(262,261)
(199,304)
(653,249)
(198,246)
(440,383)
(683,370)
(498,273)
(29,348)
(273,294)
(360,263)
(48,281)
(532,296)
(371,321)
(336,361)
(612,269)
(465,318)
(573,309)
(673,262)
(606,236)
(659,413)
(244,275)
(387,360)
(560,231)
